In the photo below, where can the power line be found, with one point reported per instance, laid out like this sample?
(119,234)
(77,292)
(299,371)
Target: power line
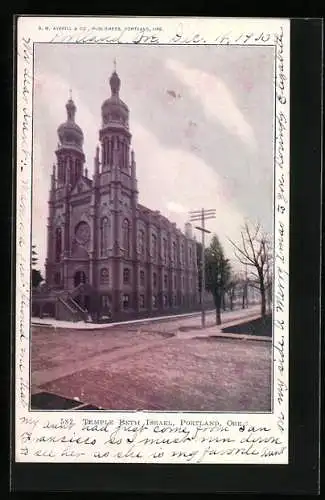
(202,216)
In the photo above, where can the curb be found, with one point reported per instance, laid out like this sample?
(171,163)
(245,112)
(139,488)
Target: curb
(102,326)
(240,336)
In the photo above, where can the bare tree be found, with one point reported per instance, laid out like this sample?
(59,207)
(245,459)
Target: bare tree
(254,251)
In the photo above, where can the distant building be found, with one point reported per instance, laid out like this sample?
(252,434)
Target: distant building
(106,253)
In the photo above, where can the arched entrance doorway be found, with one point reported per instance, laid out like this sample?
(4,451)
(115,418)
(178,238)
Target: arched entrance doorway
(79,277)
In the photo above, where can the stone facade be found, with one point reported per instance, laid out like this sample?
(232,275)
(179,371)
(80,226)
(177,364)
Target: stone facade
(133,258)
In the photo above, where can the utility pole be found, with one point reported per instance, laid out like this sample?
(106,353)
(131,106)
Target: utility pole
(246,287)
(268,287)
(201,216)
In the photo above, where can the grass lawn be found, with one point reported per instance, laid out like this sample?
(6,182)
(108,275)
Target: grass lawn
(260,326)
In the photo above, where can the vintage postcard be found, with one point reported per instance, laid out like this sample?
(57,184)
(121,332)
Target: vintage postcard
(152,240)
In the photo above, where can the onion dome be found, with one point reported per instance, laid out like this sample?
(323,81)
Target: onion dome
(70,134)
(114,110)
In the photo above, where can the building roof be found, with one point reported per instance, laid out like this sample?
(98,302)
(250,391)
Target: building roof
(160,219)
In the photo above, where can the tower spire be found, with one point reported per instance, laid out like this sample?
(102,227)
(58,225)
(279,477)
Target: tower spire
(115,81)
(71,108)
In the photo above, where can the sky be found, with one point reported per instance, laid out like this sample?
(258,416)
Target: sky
(201,119)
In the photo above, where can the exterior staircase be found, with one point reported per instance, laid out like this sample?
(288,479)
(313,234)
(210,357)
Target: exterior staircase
(70,309)
(73,310)
(61,304)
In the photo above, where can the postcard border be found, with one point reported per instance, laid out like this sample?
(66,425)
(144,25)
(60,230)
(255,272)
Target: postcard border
(204,412)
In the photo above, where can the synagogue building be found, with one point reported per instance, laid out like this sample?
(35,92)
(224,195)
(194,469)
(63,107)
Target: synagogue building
(107,254)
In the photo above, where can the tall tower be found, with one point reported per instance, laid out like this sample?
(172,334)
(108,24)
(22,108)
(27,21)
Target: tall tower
(70,156)
(69,168)
(114,134)
(118,174)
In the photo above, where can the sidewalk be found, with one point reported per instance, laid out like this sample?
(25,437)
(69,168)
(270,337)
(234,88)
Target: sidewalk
(81,325)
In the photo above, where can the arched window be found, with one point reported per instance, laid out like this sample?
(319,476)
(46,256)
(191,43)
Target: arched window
(58,244)
(122,154)
(126,237)
(70,170)
(126,275)
(106,152)
(72,173)
(182,254)
(60,171)
(111,147)
(104,276)
(190,256)
(141,243)
(78,168)
(174,252)
(165,251)
(104,236)
(154,247)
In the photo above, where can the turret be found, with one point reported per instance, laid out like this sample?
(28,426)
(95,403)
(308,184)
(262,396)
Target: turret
(70,148)
(114,133)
